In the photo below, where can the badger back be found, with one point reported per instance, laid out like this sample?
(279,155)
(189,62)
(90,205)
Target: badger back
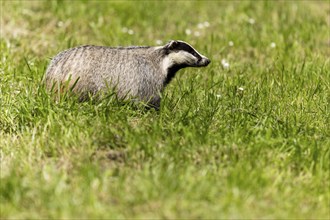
(94,68)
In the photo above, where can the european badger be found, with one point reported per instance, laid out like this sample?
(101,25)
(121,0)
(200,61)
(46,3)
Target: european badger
(138,72)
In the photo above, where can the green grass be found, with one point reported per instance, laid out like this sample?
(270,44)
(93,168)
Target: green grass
(251,141)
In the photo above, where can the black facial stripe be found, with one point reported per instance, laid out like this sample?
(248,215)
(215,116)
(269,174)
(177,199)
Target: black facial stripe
(189,49)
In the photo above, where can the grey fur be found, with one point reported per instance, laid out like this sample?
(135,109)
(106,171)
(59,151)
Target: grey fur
(135,72)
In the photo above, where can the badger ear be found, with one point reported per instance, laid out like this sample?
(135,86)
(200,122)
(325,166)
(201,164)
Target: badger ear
(172,44)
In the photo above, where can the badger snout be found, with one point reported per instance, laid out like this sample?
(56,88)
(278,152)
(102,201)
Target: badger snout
(204,61)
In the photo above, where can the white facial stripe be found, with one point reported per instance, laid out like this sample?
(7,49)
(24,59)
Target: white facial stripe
(182,57)
(192,48)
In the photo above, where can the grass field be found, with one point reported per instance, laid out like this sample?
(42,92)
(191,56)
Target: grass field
(245,137)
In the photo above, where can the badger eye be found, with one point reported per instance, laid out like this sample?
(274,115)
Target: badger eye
(197,56)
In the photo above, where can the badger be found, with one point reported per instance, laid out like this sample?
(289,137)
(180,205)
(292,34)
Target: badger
(137,72)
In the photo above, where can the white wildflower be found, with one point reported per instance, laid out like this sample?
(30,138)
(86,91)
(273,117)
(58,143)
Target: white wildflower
(130,32)
(188,31)
(241,89)
(203,25)
(60,23)
(127,30)
(231,43)
(200,25)
(197,33)
(225,64)
(159,42)
(206,24)
(273,45)
(251,21)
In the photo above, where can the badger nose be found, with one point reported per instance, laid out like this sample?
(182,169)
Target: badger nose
(203,61)
(206,61)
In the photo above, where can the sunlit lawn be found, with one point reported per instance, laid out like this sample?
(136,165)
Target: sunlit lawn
(246,137)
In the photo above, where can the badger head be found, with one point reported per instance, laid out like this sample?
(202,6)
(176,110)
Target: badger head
(180,54)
